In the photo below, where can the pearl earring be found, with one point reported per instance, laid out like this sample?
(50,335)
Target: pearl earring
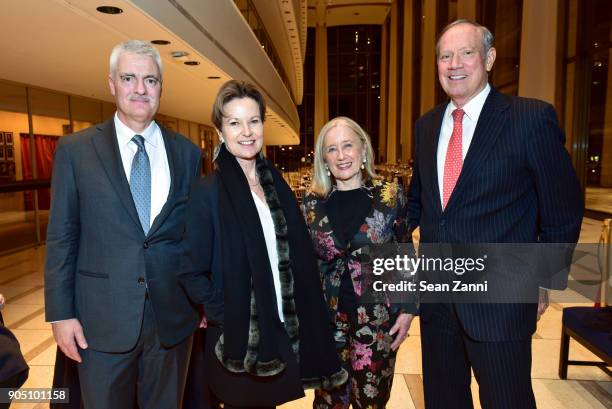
(328,172)
(363,164)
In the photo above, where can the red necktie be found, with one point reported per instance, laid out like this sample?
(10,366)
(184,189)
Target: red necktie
(454,157)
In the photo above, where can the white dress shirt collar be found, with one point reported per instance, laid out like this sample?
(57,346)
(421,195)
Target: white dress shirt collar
(125,134)
(474,106)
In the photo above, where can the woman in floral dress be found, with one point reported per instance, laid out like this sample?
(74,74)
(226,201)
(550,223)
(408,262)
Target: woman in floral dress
(348,208)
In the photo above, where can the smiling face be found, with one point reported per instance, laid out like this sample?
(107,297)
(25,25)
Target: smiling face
(462,66)
(344,152)
(136,86)
(242,128)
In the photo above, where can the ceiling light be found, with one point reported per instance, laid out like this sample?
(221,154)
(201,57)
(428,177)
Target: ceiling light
(191,63)
(109,10)
(213,77)
(160,42)
(179,55)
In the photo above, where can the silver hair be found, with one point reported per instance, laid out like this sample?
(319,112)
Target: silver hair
(322,183)
(138,47)
(487,36)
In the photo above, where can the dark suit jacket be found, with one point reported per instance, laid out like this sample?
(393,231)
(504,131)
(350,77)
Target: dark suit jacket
(13,367)
(517,185)
(97,252)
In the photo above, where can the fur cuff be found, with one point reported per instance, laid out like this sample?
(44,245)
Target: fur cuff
(270,368)
(326,382)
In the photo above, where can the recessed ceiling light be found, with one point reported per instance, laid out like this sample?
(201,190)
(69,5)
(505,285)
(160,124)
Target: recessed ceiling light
(109,10)
(177,55)
(191,63)
(213,77)
(160,42)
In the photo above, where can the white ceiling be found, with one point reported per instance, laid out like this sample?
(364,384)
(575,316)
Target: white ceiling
(64,45)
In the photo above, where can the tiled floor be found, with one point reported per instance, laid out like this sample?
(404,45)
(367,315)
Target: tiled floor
(599,198)
(21,281)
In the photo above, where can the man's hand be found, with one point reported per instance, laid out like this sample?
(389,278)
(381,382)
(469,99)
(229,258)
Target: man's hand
(68,333)
(401,326)
(542,302)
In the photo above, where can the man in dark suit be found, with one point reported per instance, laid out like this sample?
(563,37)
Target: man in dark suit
(489,168)
(119,191)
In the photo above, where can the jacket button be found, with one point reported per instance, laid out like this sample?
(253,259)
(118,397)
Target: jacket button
(141,280)
(145,244)
(442,222)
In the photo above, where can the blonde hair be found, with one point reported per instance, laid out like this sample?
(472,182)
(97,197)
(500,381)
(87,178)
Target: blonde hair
(322,183)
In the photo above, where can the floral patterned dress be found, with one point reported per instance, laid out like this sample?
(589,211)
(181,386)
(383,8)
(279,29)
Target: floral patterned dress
(362,339)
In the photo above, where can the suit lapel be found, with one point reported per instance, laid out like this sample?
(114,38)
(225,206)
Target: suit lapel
(490,126)
(169,144)
(106,146)
(433,128)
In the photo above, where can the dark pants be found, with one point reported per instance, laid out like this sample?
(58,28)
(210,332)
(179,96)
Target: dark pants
(13,382)
(502,369)
(149,374)
(13,368)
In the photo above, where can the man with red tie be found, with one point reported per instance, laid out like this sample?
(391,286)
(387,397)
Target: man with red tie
(489,168)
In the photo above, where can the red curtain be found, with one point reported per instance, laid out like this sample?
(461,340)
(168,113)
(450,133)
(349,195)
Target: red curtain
(44,146)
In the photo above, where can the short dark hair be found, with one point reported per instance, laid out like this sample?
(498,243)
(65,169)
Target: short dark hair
(233,89)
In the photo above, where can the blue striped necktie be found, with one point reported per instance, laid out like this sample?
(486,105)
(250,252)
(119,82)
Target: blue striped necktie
(140,183)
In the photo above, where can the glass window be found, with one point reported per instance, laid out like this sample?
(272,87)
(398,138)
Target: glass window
(354,75)
(588,93)
(504,19)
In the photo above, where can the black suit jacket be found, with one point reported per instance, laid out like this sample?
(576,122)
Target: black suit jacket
(97,252)
(517,185)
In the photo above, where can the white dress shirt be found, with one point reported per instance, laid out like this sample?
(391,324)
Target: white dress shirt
(156,150)
(270,236)
(472,111)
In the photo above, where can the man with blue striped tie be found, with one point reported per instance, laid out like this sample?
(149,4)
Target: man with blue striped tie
(119,191)
(489,168)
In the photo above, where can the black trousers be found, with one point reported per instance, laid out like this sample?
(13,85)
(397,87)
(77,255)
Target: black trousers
(502,369)
(13,382)
(13,369)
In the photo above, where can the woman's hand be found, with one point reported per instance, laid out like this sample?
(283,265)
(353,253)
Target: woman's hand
(401,327)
